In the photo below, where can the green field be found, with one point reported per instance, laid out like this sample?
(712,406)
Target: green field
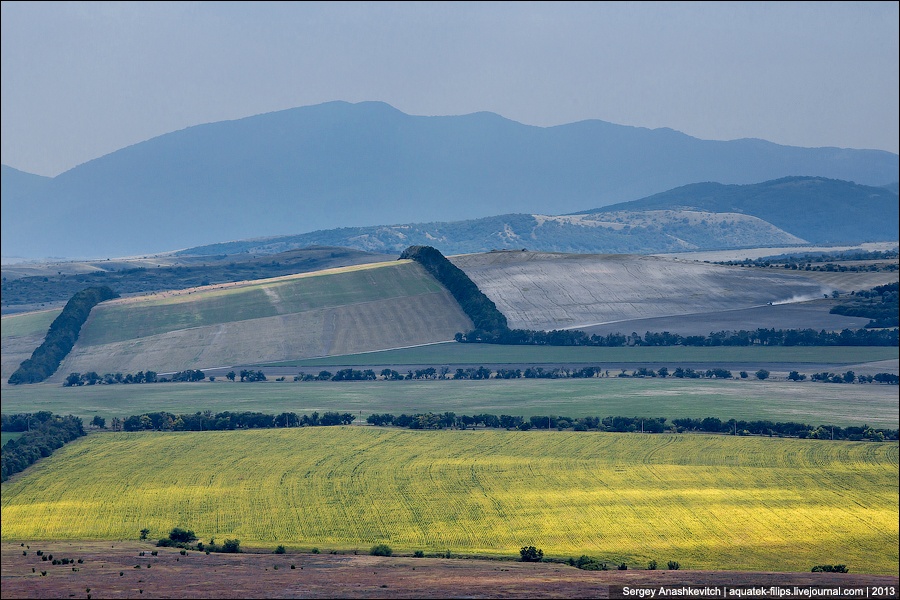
(709,502)
(152,315)
(806,402)
(33,323)
(455,354)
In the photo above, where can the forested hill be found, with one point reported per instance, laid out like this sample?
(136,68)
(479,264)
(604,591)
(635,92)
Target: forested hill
(819,210)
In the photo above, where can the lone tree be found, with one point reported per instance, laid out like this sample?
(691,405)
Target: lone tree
(182,536)
(531,554)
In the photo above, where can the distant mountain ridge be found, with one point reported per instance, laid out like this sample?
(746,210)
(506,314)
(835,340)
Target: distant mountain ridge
(339,164)
(707,216)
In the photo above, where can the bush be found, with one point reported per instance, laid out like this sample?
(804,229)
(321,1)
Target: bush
(623,567)
(419,554)
(830,569)
(381,550)
(231,546)
(673,565)
(586,563)
(182,536)
(651,566)
(279,549)
(531,554)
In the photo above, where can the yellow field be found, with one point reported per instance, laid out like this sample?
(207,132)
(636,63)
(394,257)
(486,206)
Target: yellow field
(709,502)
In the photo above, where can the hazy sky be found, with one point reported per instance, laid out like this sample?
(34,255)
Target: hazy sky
(82,79)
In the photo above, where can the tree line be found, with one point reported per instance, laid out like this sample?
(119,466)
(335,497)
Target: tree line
(44,432)
(759,337)
(188,375)
(227,420)
(621,424)
(61,336)
(478,307)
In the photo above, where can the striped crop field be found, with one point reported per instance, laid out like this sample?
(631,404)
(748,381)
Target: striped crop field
(708,502)
(334,311)
(150,315)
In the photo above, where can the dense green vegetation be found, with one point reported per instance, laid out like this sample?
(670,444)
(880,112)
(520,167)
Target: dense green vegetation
(61,336)
(227,420)
(760,337)
(475,304)
(207,421)
(880,304)
(44,432)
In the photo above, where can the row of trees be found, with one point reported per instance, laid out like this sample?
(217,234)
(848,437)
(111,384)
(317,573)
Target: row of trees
(759,337)
(207,421)
(478,307)
(188,375)
(472,373)
(61,336)
(44,432)
(450,420)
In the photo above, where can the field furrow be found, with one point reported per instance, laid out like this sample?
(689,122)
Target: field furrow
(710,502)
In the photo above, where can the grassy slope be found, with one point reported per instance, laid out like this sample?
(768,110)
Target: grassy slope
(710,502)
(328,312)
(813,403)
(21,334)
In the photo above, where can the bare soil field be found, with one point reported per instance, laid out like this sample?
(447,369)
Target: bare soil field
(537,290)
(812,314)
(117,570)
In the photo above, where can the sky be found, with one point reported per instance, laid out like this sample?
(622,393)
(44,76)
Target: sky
(83,79)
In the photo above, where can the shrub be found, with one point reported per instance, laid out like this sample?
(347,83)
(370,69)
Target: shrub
(830,569)
(651,566)
(586,563)
(315,551)
(673,565)
(623,567)
(279,549)
(381,550)
(419,554)
(531,554)
(183,536)
(231,546)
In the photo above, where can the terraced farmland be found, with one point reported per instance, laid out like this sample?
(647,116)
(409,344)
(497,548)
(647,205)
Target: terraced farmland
(709,502)
(336,311)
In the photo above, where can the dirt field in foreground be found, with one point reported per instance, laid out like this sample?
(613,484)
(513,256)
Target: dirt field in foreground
(116,570)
